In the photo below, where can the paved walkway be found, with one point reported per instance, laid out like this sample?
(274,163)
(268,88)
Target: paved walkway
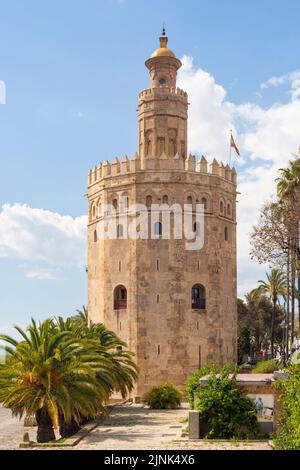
(133,427)
(11,430)
(129,427)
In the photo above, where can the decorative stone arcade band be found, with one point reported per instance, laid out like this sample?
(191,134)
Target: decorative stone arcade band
(165,222)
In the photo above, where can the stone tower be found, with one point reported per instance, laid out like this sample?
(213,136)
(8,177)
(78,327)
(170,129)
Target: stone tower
(175,308)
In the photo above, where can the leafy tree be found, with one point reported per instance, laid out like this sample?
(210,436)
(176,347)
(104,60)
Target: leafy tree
(244,330)
(254,324)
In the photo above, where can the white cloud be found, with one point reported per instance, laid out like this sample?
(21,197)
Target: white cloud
(292,79)
(281,80)
(40,274)
(39,235)
(210,115)
(267,138)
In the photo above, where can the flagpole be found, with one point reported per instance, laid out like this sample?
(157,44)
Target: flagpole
(230,148)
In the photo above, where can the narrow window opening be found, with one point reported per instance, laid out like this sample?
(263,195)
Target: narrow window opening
(204,203)
(198,297)
(199,357)
(120,231)
(158,229)
(120,298)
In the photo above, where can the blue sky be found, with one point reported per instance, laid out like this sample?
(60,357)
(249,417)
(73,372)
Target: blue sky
(73,70)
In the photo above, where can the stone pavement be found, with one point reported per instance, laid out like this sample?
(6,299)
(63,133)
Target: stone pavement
(133,427)
(11,430)
(129,427)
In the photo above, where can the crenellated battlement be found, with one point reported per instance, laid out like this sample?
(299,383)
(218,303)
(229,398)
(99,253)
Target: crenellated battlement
(151,93)
(127,166)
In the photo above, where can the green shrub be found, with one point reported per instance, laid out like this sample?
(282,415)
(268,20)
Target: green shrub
(266,367)
(192,384)
(225,410)
(163,397)
(288,432)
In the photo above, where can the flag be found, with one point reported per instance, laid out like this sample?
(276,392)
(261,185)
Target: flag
(233,145)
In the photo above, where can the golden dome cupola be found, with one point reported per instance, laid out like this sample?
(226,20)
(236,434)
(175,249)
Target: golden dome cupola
(163,65)
(163,50)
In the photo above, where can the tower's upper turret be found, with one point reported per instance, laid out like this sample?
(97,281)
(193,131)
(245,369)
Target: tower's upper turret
(162,110)
(163,65)
(163,50)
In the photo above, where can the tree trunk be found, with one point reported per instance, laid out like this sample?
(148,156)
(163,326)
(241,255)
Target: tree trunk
(288,306)
(299,299)
(272,327)
(67,429)
(45,431)
(293,279)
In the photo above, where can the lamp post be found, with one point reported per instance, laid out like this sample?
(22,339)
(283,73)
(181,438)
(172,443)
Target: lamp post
(284,326)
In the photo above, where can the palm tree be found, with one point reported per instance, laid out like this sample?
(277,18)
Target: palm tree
(123,372)
(82,315)
(52,375)
(275,287)
(288,186)
(289,180)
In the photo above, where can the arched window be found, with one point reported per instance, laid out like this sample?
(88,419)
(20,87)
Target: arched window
(204,203)
(229,209)
(189,200)
(95,236)
(165,199)
(149,202)
(115,204)
(120,298)
(94,211)
(99,209)
(158,229)
(226,234)
(198,297)
(221,207)
(120,231)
